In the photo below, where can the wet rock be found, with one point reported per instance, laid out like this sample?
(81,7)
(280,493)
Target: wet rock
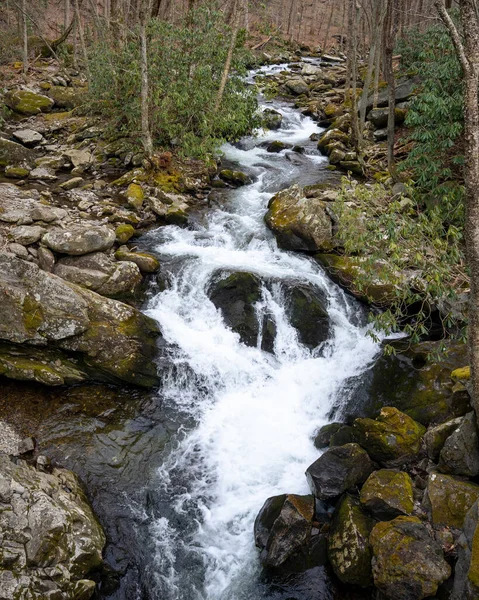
(26,102)
(147,263)
(100,273)
(392,438)
(115,341)
(271,119)
(387,494)
(124,232)
(72,183)
(51,540)
(332,135)
(13,154)
(297,86)
(276,146)
(338,470)
(323,436)
(460,454)
(348,544)
(435,437)
(236,296)
(236,178)
(285,535)
(408,564)
(299,223)
(466,573)
(448,499)
(28,137)
(42,174)
(27,234)
(80,239)
(308,315)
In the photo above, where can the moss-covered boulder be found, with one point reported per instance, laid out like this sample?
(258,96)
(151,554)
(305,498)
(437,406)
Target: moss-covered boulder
(349,551)
(460,453)
(435,437)
(300,223)
(408,564)
(235,178)
(135,195)
(28,103)
(15,155)
(67,97)
(466,573)
(271,119)
(338,470)
(147,263)
(448,499)
(285,533)
(392,438)
(387,494)
(332,135)
(323,436)
(124,232)
(16,172)
(51,541)
(308,315)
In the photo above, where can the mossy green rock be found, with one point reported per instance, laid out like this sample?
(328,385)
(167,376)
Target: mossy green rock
(124,232)
(387,494)
(332,135)
(351,166)
(435,437)
(300,223)
(236,178)
(16,172)
(67,97)
(392,437)
(323,436)
(147,263)
(448,499)
(408,564)
(15,155)
(27,103)
(349,551)
(466,576)
(135,195)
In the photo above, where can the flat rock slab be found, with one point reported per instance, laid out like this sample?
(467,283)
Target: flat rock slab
(80,239)
(28,137)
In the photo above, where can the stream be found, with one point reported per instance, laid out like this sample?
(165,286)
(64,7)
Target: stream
(178,475)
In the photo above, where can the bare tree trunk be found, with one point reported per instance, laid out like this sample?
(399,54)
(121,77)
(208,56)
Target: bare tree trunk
(145,113)
(229,57)
(328,28)
(82,39)
(67,13)
(343,23)
(25,36)
(353,32)
(391,29)
(468,54)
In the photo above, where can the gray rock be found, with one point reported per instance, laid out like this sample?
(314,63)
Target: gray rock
(405,88)
(18,250)
(42,174)
(380,135)
(79,158)
(338,470)
(311,70)
(51,540)
(100,273)
(15,154)
(80,239)
(46,259)
(297,86)
(435,437)
(27,234)
(466,572)
(48,214)
(28,137)
(72,183)
(460,454)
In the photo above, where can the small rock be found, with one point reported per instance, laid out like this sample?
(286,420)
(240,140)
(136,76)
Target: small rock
(16,172)
(26,445)
(233,177)
(18,250)
(28,137)
(297,86)
(72,183)
(323,437)
(46,259)
(147,263)
(43,174)
(435,437)
(135,195)
(79,158)
(27,234)
(80,239)
(123,233)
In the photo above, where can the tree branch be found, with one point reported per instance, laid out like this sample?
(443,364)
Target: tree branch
(454,33)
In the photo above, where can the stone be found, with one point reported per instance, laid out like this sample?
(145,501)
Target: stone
(135,195)
(54,163)
(460,453)
(387,494)
(448,499)
(308,315)
(390,439)
(18,250)
(408,564)
(26,234)
(26,102)
(332,135)
(15,155)
(323,436)
(79,158)
(297,86)
(300,223)
(236,178)
(379,117)
(28,137)
(405,88)
(16,172)
(72,183)
(51,540)
(147,263)
(80,239)
(435,437)
(235,295)
(271,119)
(46,259)
(352,166)
(67,97)
(285,534)
(124,232)
(380,135)
(338,470)
(42,174)
(348,543)
(311,70)
(466,572)
(276,146)
(98,272)
(114,341)
(26,445)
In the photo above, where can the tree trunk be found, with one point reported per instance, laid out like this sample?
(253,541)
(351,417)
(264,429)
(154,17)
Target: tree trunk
(229,56)
(82,39)
(25,36)
(328,28)
(391,29)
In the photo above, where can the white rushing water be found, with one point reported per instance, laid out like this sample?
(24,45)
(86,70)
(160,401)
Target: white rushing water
(255,412)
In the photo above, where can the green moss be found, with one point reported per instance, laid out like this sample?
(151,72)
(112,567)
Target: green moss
(16,172)
(32,313)
(168,182)
(461,374)
(449,499)
(135,195)
(124,232)
(388,494)
(27,103)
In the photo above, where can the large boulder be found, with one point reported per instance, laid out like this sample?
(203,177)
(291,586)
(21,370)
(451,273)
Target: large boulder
(388,494)
(379,117)
(286,536)
(349,551)
(466,573)
(300,223)
(297,86)
(115,341)
(28,103)
(80,239)
(408,564)
(146,262)
(236,296)
(51,540)
(67,97)
(435,437)
(307,310)
(12,153)
(100,273)
(405,88)
(392,438)
(338,470)
(448,499)
(460,454)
